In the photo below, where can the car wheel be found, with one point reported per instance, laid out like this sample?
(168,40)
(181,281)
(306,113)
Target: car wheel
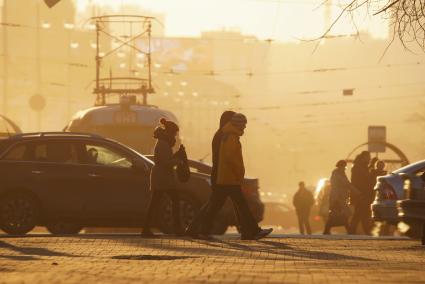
(188,208)
(63,228)
(18,213)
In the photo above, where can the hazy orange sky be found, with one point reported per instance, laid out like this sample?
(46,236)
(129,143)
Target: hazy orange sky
(276,19)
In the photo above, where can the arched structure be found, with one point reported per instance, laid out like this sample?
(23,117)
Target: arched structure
(403,160)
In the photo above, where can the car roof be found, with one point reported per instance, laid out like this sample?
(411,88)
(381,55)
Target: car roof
(411,168)
(53,134)
(67,135)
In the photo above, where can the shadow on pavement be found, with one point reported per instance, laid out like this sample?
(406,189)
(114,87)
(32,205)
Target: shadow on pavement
(31,251)
(265,248)
(318,255)
(19,257)
(151,257)
(281,249)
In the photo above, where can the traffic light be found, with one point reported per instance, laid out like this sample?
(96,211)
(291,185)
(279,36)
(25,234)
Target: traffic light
(51,3)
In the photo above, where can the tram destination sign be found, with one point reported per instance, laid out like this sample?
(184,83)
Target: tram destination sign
(125,117)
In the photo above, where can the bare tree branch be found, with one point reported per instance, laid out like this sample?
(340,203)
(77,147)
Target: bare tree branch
(386,7)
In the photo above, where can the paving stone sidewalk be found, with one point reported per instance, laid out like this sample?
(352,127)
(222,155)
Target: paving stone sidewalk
(131,259)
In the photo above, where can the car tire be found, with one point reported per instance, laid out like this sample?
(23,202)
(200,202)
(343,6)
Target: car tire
(19,213)
(63,228)
(189,207)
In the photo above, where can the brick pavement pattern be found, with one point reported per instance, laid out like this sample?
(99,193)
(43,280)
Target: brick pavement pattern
(131,259)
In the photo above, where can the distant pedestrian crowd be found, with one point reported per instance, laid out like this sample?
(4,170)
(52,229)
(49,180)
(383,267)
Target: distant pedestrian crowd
(348,202)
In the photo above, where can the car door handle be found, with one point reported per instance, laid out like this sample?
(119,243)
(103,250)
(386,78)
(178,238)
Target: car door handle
(94,175)
(37,172)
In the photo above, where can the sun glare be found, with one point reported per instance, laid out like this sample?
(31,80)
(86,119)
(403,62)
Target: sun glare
(279,20)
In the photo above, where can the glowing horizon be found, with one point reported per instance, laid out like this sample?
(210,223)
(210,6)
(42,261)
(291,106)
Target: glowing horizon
(282,20)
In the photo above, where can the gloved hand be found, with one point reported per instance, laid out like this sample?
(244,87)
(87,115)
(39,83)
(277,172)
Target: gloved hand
(182,152)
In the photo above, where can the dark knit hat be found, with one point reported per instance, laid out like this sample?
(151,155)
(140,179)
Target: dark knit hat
(341,164)
(226,117)
(169,125)
(238,119)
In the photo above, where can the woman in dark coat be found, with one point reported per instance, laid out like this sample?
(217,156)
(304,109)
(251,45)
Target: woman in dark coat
(162,174)
(360,179)
(338,198)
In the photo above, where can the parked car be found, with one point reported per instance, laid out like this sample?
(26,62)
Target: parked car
(250,189)
(389,189)
(67,181)
(411,210)
(280,214)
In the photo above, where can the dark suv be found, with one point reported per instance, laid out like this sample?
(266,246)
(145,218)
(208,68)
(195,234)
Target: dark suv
(67,181)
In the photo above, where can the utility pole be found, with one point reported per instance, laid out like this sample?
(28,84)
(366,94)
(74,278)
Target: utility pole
(5,57)
(145,94)
(38,62)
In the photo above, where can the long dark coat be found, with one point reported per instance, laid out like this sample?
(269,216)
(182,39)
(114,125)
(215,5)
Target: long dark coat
(340,189)
(303,200)
(162,173)
(360,179)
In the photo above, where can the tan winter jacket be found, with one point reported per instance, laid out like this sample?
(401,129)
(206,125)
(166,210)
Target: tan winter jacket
(231,170)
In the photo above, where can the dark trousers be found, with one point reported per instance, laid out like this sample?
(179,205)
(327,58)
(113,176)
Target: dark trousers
(328,227)
(198,221)
(362,214)
(154,204)
(304,221)
(248,224)
(334,220)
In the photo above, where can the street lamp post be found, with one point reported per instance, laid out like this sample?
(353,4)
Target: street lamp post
(5,57)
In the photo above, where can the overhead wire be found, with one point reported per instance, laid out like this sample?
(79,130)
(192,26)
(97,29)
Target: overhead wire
(278,107)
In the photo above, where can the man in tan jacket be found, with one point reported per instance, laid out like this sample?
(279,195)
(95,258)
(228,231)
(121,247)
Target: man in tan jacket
(231,170)
(230,175)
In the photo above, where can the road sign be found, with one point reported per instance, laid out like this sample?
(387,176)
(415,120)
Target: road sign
(347,92)
(377,136)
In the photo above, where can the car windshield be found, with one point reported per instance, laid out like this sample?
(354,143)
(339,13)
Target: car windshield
(411,167)
(135,152)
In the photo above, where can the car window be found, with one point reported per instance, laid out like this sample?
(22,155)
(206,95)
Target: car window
(100,155)
(17,153)
(55,152)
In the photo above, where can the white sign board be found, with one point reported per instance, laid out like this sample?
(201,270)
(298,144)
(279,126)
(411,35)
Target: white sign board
(377,134)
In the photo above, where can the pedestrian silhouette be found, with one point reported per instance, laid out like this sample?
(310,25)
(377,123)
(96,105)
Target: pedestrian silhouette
(360,179)
(162,174)
(194,227)
(303,201)
(376,171)
(227,177)
(339,212)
